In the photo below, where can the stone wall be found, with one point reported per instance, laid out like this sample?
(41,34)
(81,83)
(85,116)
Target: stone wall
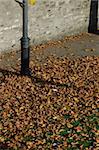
(48,19)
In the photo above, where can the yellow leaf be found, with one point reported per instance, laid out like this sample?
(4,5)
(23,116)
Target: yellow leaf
(30,143)
(48,102)
(76,99)
(2,139)
(56,117)
(66,107)
(21,108)
(69,125)
(1,127)
(32,2)
(16,137)
(41,106)
(50,92)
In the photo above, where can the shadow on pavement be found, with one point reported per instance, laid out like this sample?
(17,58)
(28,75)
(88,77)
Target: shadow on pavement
(93,18)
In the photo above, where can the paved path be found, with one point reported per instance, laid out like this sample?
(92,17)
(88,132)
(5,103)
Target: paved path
(77,46)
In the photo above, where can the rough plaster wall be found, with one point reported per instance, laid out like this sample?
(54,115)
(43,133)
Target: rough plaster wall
(48,19)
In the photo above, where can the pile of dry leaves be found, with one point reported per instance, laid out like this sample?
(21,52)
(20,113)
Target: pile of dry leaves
(55,108)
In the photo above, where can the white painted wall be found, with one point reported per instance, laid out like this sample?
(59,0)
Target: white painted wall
(48,19)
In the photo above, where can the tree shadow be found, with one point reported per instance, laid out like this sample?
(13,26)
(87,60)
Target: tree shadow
(93,19)
(35,79)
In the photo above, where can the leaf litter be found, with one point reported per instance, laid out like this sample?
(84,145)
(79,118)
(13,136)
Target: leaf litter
(55,108)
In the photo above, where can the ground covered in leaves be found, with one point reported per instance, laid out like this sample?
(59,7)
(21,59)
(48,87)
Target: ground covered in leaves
(55,108)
